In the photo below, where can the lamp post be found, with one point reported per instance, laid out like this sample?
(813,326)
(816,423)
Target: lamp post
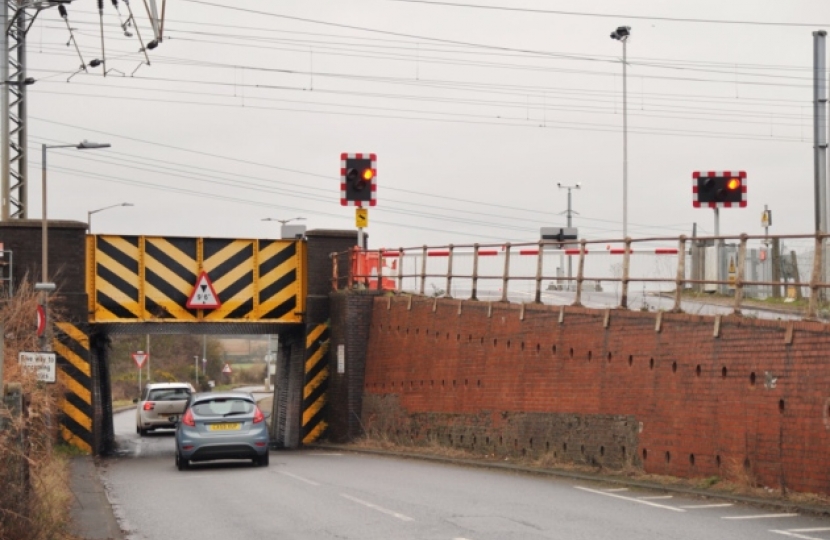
(622,34)
(287,232)
(569,213)
(45,286)
(90,212)
(284,221)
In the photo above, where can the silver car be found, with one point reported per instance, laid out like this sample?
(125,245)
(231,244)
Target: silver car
(222,425)
(160,405)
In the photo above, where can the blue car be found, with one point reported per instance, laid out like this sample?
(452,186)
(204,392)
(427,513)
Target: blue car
(222,425)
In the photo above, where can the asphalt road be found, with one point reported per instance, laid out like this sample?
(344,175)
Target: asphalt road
(318,495)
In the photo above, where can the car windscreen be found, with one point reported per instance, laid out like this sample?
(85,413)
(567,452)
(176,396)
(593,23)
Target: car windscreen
(169,394)
(223,407)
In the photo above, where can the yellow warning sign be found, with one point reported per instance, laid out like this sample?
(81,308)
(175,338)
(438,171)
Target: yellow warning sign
(361,217)
(732,277)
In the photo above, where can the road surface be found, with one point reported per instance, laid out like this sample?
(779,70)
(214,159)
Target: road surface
(320,495)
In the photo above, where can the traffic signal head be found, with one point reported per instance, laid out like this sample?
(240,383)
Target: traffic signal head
(719,189)
(357,179)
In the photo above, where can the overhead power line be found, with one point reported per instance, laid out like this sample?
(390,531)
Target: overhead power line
(614,15)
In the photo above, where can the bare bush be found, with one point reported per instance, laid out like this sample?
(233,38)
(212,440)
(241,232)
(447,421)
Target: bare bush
(34,498)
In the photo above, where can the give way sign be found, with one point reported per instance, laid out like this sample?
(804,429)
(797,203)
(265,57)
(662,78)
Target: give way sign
(139,358)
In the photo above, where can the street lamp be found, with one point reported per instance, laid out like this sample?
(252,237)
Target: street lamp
(44,243)
(284,221)
(90,212)
(622,34)
(289,231)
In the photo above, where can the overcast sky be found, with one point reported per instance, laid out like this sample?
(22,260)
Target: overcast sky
(475,114)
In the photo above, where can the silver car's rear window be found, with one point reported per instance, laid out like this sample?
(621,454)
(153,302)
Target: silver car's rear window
(169,394)
(223,407)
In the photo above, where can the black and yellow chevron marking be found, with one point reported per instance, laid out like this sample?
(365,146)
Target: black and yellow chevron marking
(171,268)
(280,292)
(315,385)
(136,279)
(230,267)
(117,284)
(71,345)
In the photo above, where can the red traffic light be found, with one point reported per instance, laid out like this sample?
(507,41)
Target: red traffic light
(719,189)
(358,179)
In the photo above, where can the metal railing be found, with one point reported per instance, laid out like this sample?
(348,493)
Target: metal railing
(357,268)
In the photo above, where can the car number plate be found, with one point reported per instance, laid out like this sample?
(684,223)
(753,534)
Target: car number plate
(227,426)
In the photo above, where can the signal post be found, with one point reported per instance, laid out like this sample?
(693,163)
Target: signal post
(716,190)
(358,187)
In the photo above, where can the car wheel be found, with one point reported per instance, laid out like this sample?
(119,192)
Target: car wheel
(262,461)
(141,431)
(181,463)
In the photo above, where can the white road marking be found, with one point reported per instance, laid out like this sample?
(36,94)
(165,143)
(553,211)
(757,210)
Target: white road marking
(324,454)
(697,506)
(760,516)
(655,497)
(794,533)
(378,508)
(300,478)
(615,490)
(632,499)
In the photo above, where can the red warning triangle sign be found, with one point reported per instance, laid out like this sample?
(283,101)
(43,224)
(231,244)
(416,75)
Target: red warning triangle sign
(203,295)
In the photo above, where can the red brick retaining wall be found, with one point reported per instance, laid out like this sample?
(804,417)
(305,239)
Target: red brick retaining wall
(676,394)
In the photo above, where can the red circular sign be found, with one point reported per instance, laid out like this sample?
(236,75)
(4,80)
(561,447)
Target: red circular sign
(41,321)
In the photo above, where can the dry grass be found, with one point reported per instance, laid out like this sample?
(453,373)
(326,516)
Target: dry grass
(35,498)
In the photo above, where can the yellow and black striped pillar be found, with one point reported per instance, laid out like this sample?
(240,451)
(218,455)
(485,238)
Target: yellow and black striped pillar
(71,346)
(315,383)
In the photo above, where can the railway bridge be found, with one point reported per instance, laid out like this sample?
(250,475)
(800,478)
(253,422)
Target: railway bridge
(121,284)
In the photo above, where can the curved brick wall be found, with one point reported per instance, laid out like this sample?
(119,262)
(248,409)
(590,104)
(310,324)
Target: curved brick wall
(614,388)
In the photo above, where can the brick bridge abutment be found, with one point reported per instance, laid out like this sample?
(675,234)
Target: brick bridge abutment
(666,393)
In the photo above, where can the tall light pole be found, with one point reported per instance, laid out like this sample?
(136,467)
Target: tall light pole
(284,233)
(90,212)
(45,285)
(622,34)
(569,213)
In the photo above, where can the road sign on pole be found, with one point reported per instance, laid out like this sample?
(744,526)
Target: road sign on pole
(139,358)
(361,217)
(40,320)
(43,364)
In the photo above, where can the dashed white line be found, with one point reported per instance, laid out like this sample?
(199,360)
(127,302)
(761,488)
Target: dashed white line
(794,533)
(698,506)
(300,478)
(655,497)
(378,508)
(632,499)
(761,516)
